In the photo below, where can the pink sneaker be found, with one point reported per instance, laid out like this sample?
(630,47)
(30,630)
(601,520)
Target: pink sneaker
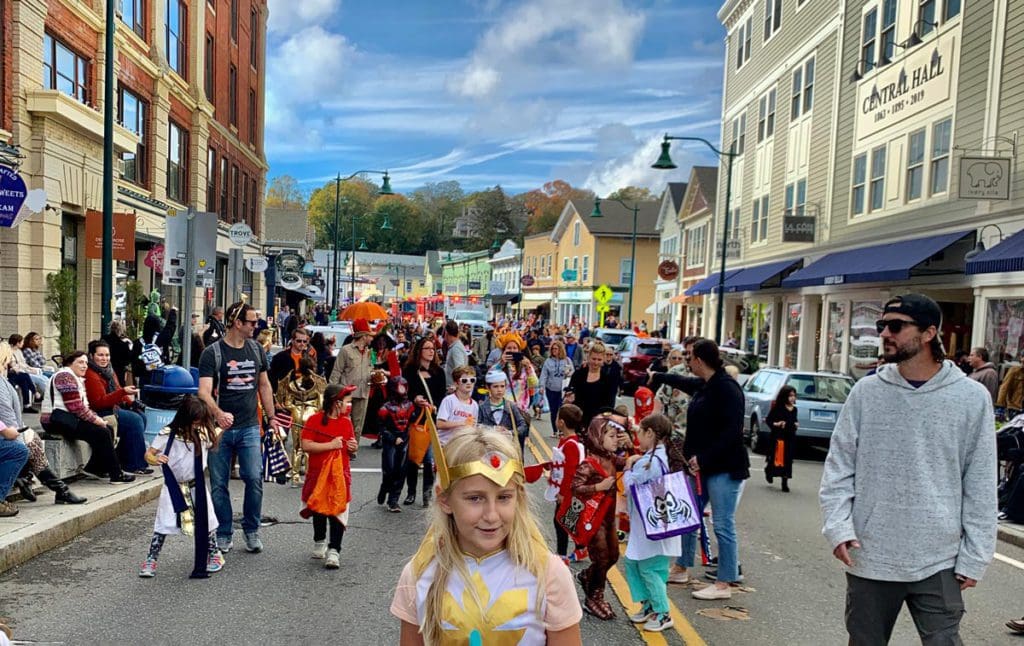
(148,569)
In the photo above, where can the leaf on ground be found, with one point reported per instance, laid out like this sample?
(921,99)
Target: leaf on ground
(726,614)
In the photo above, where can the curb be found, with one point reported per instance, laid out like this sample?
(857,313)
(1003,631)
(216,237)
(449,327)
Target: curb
(49,535)
(1010,536)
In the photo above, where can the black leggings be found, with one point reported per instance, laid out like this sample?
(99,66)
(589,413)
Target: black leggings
(320,523)
(412,473)
(561,540)
(71,427)
(25,384)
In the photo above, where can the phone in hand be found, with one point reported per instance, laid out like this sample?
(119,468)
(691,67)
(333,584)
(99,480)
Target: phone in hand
(23,429)
(517,356)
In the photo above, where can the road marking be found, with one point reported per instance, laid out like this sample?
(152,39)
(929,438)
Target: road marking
(1006,559)
(365,470)
(621,588)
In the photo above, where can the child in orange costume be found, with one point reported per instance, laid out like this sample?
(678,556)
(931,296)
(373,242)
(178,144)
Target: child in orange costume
(601,442)
(324,434)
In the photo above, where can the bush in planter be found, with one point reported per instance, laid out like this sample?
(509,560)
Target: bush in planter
(61,299)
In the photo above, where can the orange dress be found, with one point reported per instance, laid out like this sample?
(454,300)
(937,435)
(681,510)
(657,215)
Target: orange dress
(316,431)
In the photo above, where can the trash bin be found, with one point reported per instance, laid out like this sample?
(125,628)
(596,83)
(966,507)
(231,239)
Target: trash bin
(168,386)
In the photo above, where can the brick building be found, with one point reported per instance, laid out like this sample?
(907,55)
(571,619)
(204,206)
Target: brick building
(189,133)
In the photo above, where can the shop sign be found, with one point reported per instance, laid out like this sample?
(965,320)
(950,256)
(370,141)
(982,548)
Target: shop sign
(12,195)
(155,259)
(123,243)
(798,228)
(256,264)
(290,280)
(240,234)
(291,262)
(668,270)
(834,280)
(569,275)
(733,249)
(897,93)
(527,280)
(474,284)
(985,178)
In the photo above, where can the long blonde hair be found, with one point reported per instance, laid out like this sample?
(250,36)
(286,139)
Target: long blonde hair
(525,543)
(6,356)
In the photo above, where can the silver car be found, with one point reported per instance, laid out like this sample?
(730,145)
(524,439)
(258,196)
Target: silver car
(819,398)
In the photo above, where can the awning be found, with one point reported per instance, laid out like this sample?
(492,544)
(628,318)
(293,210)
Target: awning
(681,298)
(1008,255)
(710,283)
(762,276)
(888,262)
(309,293)
(659,307)
(502,299)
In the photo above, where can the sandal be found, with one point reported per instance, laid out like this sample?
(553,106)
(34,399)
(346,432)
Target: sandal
(599,609)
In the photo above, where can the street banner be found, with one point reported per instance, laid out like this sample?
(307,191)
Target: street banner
(123,237)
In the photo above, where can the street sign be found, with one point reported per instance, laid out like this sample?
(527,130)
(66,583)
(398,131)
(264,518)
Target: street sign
(601,308)
(256,264)
(603,294)
(240,234)
(668,270)
(12,195)
(569,275)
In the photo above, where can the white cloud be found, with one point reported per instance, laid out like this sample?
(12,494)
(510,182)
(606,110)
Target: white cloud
(591,33)
(306,66)
(287,16)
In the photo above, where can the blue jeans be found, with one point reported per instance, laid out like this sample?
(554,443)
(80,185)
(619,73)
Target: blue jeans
(692,540)
(13,456)
(723,493)
(245,443)
(131,429)
(554,403)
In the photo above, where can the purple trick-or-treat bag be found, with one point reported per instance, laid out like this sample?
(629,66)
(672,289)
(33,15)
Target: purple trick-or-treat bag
(667,506)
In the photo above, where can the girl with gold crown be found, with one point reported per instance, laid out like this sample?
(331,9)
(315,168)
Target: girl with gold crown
(483,573)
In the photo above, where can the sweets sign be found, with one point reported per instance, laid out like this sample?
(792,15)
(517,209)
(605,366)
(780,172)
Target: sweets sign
(12,195)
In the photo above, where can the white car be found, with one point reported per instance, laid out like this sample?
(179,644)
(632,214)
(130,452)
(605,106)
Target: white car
(476,320)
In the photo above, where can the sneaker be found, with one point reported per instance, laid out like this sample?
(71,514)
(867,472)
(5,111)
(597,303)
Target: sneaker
(123,478)
(319,550)
(712,592)
(394,509)
(215,562)
(658,623)
(148,569)
(679,576)
(712,575)
(579,554)
(646,612)
(225,544)
(410,499)
(253,544)
(332,562)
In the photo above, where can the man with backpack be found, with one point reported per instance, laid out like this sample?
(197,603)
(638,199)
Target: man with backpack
(235,368)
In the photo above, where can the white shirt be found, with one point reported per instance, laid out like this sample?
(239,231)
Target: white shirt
(454,409)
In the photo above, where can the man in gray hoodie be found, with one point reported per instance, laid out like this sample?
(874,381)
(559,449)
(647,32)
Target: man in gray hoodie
(908,494)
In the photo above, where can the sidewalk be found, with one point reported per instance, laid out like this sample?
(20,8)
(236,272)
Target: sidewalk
(1011,533)
(42,525)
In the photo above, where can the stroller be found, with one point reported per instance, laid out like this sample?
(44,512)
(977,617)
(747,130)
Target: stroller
(1010,452)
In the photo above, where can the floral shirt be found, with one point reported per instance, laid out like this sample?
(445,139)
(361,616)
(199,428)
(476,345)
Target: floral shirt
(673,401)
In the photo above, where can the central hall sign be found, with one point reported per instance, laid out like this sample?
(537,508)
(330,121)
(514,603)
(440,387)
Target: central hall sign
(900,91)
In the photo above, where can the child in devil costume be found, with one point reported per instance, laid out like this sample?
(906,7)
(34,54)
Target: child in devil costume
(596,474)
(394,418)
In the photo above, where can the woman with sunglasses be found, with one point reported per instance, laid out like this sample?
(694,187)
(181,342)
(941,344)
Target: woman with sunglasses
(426,380)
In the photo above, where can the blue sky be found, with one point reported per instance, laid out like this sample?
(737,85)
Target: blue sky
(485,92)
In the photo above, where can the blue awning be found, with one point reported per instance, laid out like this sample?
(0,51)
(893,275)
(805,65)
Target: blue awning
(762,276)
(887,262)
(1008,255)
(710,284)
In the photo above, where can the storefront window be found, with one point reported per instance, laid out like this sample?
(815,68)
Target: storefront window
(793,314)
(836,331)
(865,344)
(1004,329)
(757,321)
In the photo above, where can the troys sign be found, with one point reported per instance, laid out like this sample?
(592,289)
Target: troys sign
(12,195)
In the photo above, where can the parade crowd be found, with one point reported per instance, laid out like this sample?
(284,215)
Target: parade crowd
(911,514)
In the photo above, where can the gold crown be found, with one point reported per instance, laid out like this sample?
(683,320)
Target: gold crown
(496,467)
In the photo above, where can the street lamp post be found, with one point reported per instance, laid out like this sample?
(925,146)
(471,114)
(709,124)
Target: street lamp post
(596,213)
(665,163)
(385,189)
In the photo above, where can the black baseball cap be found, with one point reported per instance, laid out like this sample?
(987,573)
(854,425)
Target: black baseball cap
(922,309)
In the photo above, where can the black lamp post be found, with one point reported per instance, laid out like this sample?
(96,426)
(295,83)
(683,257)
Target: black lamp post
(596,213)
(385,189)
(665,163)
(107,262)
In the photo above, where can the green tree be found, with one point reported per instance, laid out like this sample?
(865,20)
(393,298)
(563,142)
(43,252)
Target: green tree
(492,217)
(357,198)
(633,194)
(61,299)
(405,227)
(283,192)
(439,204)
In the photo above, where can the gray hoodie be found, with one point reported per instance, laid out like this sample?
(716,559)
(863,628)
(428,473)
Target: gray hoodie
(911,475)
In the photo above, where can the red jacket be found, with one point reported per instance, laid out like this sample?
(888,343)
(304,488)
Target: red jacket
(96,390)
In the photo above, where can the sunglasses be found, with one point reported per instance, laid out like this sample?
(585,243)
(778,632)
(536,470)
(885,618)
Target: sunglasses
(467,380)
(300,341)
(894,325)
(250,321)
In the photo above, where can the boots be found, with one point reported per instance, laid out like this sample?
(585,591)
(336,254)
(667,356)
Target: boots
(64,495)
(426,497)
(25,488)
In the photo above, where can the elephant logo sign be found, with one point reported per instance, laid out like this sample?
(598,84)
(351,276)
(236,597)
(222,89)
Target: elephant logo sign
(985,174)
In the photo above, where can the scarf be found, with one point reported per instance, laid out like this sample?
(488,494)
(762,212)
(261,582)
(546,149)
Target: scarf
(201,535)
(108,374)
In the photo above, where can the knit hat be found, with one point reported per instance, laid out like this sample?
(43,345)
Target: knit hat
(495,377)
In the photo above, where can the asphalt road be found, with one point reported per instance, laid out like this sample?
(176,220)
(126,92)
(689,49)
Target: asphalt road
(87,591)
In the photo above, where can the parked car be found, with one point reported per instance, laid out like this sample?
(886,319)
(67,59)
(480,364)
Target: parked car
(636,356)
(611,337)
(338,333)
(475,320)
(746,362)
(819,398)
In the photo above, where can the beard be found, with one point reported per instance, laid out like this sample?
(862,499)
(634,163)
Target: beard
(896,353)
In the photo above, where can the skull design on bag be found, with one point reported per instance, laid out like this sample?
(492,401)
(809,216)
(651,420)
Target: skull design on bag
(667,510)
